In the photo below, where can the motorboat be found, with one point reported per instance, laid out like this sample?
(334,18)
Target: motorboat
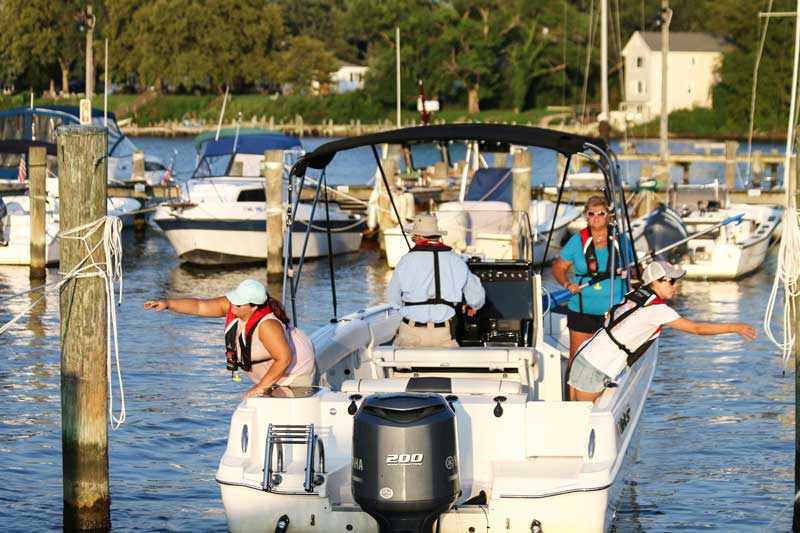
(221,218)
(718,251)
(474,223)
(40,124)
(474,438)
(15,209)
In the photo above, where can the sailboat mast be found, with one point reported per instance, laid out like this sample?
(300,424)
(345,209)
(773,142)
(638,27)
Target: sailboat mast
(603,118)
(663,130)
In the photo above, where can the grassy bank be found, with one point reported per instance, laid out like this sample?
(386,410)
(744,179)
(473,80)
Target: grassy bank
(705,124)
(341,108)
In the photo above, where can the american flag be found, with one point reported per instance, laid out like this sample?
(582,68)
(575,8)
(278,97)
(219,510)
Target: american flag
(22,171)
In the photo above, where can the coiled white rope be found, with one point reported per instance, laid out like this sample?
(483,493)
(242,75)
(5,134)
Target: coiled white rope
(787,276)
(111,272)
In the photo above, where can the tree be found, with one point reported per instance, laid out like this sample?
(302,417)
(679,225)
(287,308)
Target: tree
(38,38)
(305,61)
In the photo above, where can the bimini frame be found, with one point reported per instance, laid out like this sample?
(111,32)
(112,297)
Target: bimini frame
(486,135)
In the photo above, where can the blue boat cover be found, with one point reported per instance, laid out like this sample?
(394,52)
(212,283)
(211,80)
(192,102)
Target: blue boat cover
(251,144)
(491,184)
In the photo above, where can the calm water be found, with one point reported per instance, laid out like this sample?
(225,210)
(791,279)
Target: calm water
(717,437)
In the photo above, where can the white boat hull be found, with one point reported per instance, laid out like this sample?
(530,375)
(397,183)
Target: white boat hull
(17,230)
(211,234)
(733,251)
(555,462)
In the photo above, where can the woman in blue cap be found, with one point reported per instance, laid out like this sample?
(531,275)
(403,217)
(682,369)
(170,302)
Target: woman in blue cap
(258,337)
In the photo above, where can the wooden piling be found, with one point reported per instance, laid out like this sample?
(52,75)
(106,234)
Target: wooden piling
(139,222)
(37,166)
(82,185)
(757,169)
(500,160)
(521,176)
(730,164)
(386,218)
(273,176)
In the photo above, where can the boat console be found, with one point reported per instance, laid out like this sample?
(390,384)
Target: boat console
(506,319)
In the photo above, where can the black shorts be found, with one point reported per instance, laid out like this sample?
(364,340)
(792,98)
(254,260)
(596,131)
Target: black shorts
(583,322)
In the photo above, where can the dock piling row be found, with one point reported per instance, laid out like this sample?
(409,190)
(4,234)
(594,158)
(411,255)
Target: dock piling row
(37,172)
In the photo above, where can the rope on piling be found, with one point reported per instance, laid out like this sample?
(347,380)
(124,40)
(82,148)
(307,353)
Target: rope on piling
(111,271)
(787,276)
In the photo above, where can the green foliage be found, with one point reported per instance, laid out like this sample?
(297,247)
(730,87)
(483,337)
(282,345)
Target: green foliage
(305,61)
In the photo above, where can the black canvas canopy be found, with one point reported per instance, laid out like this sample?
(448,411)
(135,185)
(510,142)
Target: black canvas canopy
(564,143)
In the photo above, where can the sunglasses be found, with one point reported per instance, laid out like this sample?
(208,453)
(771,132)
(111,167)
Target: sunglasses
(670,280)
(596,213)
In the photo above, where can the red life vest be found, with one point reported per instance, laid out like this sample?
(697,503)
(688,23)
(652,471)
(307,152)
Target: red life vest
(231,330)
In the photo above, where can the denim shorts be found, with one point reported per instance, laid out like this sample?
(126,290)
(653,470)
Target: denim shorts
(585,377)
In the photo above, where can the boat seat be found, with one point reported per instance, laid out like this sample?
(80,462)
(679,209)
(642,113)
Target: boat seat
(488,356)
(430,384)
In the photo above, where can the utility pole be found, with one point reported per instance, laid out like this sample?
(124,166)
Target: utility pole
(663,131)
(89,21)
(603,127)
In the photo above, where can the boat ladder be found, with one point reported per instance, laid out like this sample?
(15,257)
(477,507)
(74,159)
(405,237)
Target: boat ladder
(277,436)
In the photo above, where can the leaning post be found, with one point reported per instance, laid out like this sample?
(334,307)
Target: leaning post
(37,164)
(82,188)
(272,169)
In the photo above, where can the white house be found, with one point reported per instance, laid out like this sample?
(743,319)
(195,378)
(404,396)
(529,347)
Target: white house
(691,72)
(348,78)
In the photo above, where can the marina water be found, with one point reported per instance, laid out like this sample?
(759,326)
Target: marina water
(716,447)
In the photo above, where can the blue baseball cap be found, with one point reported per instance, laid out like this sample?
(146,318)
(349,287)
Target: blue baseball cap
(248,292)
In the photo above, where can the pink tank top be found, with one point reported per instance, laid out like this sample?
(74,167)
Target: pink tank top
(299,343)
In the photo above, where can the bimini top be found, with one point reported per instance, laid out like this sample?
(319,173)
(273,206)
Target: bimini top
(564,143)
(251,144)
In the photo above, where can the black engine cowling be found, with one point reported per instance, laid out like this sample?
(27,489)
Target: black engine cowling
(405,460)
(665,226)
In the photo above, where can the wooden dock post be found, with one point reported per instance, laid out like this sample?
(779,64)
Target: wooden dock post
(298,121)
(82,185)
(386,217)
(272,169)
(757,169)
(500,160)
(730,164)
(521,176)
(139,222)
(37,165)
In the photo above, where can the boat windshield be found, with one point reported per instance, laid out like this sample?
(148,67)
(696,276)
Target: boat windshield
(240,165)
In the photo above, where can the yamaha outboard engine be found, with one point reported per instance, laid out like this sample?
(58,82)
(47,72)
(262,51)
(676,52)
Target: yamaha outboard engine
(405,460)
(664,226)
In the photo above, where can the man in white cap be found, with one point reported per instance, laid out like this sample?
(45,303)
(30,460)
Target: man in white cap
(631,327)
(428,285)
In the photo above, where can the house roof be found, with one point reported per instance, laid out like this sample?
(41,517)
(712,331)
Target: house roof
(684,41)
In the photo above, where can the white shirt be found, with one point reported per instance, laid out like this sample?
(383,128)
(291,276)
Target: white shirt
(639,327)
(413,281)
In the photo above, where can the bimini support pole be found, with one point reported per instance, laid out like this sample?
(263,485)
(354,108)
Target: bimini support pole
(555,214)
(389,192)
(324,185)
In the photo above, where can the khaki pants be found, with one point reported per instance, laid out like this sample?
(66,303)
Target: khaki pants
(429,337)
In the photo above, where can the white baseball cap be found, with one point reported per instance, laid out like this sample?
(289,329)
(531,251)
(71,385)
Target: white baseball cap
(426,226)
(661,269)
(248,292)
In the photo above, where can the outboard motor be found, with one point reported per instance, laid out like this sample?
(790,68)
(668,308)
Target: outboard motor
(405,460)
(664,226)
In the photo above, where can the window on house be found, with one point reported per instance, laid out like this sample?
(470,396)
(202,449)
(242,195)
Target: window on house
(639,62)
(692,61)
(640,87)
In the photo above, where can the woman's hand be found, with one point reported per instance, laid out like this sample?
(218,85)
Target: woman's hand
(746,331)
(573,287)
(158,305)
(255,390)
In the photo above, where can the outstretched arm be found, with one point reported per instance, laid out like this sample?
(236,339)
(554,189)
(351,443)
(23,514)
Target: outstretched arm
(746,331)
(212,307)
